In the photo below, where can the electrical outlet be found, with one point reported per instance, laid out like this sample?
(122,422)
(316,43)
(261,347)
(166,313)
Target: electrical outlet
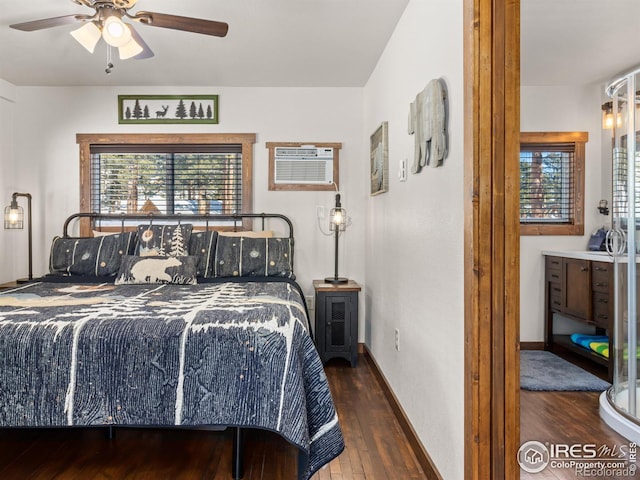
(309,299)
(397,340)
(320,212)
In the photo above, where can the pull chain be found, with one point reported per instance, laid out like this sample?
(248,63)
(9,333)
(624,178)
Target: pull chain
(109,62)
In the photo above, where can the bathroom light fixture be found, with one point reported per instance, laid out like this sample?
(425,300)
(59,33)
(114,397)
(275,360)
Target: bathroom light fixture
(338,223)
(607,116)
(14,219)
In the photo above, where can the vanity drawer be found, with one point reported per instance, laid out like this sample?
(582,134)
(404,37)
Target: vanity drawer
(601,276)
(555,296)
(601,309)
(553,269)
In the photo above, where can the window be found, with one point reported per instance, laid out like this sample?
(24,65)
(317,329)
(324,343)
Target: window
(552,183)
(166,174)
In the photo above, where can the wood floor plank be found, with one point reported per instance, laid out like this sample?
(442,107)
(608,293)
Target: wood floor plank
(563,418)
(376,448)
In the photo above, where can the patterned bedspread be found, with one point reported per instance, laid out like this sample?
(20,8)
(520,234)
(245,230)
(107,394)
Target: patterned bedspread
(230,353)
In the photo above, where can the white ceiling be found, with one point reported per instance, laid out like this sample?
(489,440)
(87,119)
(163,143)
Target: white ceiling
(578,42)
(306,43)
(270,43)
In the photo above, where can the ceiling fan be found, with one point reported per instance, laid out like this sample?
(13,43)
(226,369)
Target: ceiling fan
(107,23)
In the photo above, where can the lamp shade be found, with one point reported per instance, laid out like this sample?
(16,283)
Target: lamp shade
(146,51)
(14,216)
(609,117)
(88,36)
(115,32)
(337,221)
(129,49)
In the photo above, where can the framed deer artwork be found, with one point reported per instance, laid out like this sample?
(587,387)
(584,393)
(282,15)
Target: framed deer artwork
(167,109)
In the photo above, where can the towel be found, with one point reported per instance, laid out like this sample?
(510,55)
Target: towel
(598,344)
(601,348)
(584,340)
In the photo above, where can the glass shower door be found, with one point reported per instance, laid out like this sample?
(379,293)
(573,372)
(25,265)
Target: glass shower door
(622,244)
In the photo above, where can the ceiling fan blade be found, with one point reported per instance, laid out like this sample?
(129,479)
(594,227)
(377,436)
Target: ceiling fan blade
(196,25)
(48,23)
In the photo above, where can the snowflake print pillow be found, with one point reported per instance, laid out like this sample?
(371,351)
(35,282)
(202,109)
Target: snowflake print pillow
(253,257)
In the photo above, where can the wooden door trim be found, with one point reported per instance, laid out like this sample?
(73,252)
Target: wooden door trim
(492,265)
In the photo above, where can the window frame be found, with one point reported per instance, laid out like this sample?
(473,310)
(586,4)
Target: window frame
(579,139)
(86,140)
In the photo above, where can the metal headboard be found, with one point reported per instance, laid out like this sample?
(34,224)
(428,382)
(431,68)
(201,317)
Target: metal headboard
(211,221)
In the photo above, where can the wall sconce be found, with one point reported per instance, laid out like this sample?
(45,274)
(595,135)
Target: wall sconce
(14,219)
(338,223)
(607,116)
(603,207)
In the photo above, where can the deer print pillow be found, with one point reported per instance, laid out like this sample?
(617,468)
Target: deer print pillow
(157,269)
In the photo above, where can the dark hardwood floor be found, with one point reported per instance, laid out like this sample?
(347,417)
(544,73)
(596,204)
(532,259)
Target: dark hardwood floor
(565,418)
(376,448)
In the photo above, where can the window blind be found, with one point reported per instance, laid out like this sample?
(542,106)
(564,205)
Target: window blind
(166,179)
(547,183)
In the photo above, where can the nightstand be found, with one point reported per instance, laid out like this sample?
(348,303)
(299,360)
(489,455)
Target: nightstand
(337,320)
(5,286)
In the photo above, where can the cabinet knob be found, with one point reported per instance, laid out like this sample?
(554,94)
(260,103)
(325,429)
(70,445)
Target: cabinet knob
(584,269)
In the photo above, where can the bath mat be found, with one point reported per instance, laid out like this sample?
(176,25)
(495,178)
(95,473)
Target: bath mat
(544,371)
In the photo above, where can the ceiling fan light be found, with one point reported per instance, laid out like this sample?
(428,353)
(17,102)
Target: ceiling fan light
(146,51)
(115,32)
(87,35)
(130,49)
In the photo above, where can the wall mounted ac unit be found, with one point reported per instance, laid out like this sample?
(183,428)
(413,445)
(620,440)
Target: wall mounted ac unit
(303,165)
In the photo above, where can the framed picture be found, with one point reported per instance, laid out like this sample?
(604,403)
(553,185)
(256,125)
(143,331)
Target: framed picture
(379,157)
(167,109)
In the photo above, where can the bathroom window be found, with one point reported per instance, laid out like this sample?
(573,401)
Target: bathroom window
(552,183)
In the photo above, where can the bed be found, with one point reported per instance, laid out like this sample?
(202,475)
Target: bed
(119,334)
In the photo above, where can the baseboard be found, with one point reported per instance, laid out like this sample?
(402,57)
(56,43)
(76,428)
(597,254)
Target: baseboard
(531,345)
(421,454)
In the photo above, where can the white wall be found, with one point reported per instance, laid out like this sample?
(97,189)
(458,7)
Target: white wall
(560,109)
(7,184)
(405,246)
(414,250)
(46,158)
